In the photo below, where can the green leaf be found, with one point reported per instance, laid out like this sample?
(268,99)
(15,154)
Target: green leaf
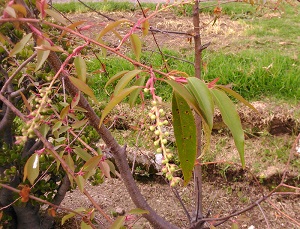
(234,226)
(125,80)
(20,45)
(80,67)
(105,168)
(32,168)
(70,163)
(110,27)
(237,96)
(138,211)
(66,217)
(184,93)
(115,100)
(145,27)
(80,181)
(133,96)
(231,119)
(83,225)
(204,99)
(118,223)
(92,163)
(56,16)
(136,45)
(44,129)
(42,55)
(185,134)
(82,153)
(79,124)
(115,77)
(63,129)
(83,87)
(112,167)
(64,112)
(56,126)
(207,135)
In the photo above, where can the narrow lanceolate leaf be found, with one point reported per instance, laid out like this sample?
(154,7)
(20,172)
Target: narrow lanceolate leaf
(111,26)
(115,100)
(185,134)
(184,93)
(80,67)
(79,124)
(204,99)
(92,163)
(136,45)
(116,77)
(145,27)
(83,87)
(125,80)
(20,45)
(42,55)
(133,96)
(138,211)
(231,119)
(68,159)
(80,181)
(56,16)
(118,223)
(207,137)
(32,168)
(237,96)
(82,153)
(72,26)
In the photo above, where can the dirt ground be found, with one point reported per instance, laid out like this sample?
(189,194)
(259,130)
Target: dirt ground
(225,190)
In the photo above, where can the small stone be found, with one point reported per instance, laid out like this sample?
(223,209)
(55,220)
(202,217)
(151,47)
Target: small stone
(120,211)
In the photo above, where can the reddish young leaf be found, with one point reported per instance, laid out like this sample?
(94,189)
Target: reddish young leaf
(52,212)
(24,193)
(213,83)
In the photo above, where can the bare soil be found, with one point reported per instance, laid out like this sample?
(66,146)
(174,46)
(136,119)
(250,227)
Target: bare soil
(226,187)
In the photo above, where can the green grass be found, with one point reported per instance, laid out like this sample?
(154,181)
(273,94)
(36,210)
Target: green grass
(256,74)
(108,6)
(253,73)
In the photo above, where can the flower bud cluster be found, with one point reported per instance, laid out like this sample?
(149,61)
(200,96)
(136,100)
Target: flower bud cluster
(158,120)
(40,104)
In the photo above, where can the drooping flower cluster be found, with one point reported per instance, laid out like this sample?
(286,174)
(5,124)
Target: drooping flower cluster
(36,115)
(158,120)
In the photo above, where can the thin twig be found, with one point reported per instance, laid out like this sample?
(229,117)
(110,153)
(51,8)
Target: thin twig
(182,204)
(284,214)
(155,40)
(103,15)
(263,213)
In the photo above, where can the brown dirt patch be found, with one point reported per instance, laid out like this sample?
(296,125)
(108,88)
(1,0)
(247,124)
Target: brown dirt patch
(222,34)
